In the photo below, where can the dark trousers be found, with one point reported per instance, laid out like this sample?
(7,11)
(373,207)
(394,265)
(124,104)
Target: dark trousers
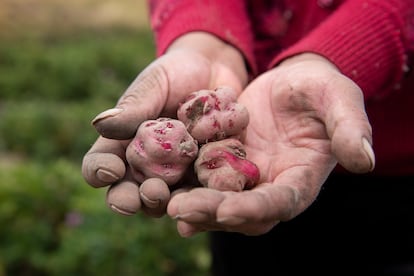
(358,224)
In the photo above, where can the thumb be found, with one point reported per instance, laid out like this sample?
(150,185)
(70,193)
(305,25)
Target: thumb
(144,99)
(348,126)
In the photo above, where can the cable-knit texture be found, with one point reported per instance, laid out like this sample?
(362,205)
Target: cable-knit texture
(365,40)
(370,41)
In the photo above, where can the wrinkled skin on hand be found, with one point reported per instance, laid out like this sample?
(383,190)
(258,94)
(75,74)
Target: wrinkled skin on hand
(162,148)
(193,62)
(305,117)
(212,115)
(222,165)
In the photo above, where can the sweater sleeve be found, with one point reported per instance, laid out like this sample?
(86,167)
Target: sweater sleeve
(367,40)
(227,20)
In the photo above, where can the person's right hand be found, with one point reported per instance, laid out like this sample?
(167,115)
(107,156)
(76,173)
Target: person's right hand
(305,118)
(193,62)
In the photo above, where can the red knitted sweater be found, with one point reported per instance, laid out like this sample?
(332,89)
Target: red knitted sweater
(370,41)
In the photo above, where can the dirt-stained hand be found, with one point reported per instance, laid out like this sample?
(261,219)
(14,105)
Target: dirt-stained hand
(305,117)
(194,61)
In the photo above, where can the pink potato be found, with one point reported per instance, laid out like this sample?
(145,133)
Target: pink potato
(162,148)
(212,115)
(222,165)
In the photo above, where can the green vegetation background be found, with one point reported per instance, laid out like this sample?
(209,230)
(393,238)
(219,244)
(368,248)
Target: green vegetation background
(51,221)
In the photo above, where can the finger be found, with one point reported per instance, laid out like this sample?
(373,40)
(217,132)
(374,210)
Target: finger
(157,91)
(193,218)
(104,163)
(154,194)
(196,206)
(197,213)
(258,210)
(348,126)
(187,230)
(123,197)
(142,100)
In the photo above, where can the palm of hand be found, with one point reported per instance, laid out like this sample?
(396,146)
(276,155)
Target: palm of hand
(287,137)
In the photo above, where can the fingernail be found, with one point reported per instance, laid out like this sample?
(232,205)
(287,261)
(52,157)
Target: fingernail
(149,202)
(369,151)
(106,176)
(192,216)
(232,221)
(121,211)
(107,113)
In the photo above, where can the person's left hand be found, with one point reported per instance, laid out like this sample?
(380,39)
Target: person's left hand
(195,61)
(305,117)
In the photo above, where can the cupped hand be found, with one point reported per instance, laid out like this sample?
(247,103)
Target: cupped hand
(194,61)
(305,117)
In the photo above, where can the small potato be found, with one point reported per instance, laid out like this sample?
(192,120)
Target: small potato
(222,165)
(162,148)
(212,115)
(123,198)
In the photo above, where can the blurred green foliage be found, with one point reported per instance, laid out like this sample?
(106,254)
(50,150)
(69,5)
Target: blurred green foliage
(78,67)
(52,222)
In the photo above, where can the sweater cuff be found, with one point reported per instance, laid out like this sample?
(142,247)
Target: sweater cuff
(364,40)
(226,20)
